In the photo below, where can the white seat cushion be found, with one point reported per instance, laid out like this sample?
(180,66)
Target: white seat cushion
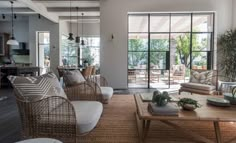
(198,86)
(107,92)
(88,114)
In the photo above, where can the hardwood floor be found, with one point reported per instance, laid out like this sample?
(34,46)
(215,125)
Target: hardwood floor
(9,118)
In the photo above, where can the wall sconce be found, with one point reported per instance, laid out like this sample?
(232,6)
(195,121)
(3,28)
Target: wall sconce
(112,36)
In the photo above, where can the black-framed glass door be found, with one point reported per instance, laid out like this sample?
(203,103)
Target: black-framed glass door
(163,47)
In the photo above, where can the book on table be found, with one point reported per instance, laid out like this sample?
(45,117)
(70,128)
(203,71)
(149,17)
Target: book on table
(168,110)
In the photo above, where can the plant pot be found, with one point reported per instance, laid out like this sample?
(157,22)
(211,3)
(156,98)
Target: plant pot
(229,96)
(189,107)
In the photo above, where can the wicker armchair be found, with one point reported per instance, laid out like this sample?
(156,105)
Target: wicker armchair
(44,118)
(61,118)
(101,87)
(83,91)
(97,82)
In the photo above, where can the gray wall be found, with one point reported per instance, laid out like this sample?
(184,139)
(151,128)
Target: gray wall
(114,21)
(21,29)
(43,24)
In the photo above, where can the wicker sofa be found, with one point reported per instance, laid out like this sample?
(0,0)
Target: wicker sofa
(199,88)
(55,116)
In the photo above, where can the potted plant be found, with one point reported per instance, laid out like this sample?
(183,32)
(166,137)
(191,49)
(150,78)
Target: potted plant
(227,52)
(161,99)
(188,104)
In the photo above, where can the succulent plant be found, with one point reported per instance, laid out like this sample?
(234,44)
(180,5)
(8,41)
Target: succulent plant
(161,99)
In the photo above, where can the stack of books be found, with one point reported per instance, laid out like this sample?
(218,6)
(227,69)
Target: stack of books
(167,110)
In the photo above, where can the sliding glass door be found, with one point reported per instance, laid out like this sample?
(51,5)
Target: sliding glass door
(163,47)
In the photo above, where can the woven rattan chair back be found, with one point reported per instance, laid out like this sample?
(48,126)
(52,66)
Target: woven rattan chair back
(51,117)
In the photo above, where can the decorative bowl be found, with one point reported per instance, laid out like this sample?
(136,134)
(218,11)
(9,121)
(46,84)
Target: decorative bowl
(189,107)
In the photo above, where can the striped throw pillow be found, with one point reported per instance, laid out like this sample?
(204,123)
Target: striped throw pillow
(35,88)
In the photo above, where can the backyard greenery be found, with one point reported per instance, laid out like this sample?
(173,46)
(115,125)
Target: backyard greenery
(138,51)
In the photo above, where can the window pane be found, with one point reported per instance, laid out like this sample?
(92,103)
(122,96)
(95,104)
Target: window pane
(180,23)
(201,42)
(73,61)
(137,60)
(43,38)
(160,23)
(138,42)
(202,22)
(138,23)
(199,60)
(180,49)
(92,55)
(158,60)
(159,42)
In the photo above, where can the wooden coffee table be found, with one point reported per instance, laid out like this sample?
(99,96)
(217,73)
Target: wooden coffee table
(205,113)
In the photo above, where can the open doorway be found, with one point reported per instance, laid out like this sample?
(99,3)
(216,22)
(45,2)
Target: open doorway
(43,38)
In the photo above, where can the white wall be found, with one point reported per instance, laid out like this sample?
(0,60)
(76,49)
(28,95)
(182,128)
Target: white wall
(234,13)
(21,29)
(90,29)
(43,24)
(114,21)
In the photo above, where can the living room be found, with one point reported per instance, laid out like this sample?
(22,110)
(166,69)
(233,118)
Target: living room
(105,34)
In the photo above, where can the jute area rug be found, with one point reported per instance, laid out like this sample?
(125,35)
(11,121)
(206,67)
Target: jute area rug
(118,125)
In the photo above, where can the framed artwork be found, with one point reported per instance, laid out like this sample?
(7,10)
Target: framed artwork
(2,45)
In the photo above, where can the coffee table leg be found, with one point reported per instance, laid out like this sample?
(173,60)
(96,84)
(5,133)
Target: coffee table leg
(140,127)
(217,132)
(145,131)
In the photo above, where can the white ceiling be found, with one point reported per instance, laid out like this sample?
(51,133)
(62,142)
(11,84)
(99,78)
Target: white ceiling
(58,8)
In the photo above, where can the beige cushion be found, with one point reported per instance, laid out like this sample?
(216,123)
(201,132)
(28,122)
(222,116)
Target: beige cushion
(192,90)
(88,114)
(37,87)
(198,86)
(107,92)
(72,77)
(203,77)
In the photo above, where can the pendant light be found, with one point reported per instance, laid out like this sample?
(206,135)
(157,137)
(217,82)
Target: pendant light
(77,38)
(12,40)
(70,34)
(82,37)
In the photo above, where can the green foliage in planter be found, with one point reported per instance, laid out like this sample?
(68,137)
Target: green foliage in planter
(228,51)
(161,99)
(184,101)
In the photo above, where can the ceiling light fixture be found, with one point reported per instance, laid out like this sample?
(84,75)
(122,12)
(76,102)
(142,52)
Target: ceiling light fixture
(82,37)
(70,34)
(12,40)
(77,38)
